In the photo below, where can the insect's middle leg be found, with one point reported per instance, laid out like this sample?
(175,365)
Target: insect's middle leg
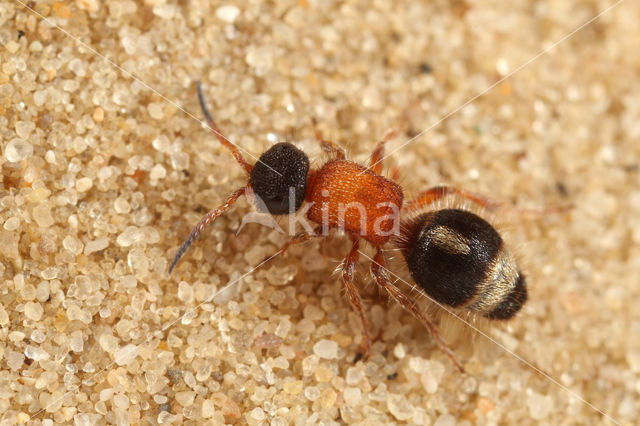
(348,269)
(375,163)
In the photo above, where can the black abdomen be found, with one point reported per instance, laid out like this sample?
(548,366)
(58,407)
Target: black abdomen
(460,260)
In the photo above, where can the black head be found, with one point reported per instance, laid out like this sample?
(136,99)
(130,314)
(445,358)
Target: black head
(450,254)
(280,173)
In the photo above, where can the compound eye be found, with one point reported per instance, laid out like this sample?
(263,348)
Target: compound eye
(279,179)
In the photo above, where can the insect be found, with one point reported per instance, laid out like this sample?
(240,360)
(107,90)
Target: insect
(453,255)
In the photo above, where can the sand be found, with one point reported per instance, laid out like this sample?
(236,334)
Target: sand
(106,168)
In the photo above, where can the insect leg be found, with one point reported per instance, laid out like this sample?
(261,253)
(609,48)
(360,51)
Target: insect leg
(379,272)
(348,269)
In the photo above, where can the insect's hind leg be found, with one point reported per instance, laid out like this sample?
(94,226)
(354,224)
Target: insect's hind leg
(437,193)
(379,272)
